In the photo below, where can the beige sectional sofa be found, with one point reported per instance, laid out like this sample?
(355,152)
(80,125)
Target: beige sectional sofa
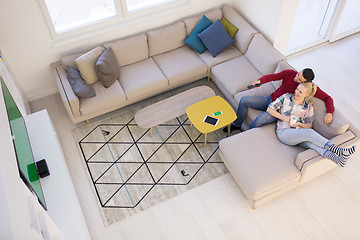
(158,60)
(264,167)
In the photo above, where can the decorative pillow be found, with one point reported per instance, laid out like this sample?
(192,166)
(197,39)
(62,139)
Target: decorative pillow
(107,68)
(86,65)
(193,40)
(216,38)
(78,85)
(191,22)
(231,29)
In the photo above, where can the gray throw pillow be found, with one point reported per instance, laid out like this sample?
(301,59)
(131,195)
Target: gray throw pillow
(78,85)
(107,68)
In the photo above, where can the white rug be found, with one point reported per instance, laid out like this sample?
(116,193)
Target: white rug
(130,171)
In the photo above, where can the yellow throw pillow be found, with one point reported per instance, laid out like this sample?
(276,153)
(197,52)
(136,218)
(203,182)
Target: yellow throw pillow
(87,65)
(231,29)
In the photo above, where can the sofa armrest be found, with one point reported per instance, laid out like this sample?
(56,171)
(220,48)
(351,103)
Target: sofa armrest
(70,100)
(311,164)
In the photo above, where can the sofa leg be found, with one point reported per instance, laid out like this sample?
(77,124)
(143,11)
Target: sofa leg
(87,121)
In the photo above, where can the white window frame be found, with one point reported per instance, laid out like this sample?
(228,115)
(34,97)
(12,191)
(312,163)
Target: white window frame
(122,16)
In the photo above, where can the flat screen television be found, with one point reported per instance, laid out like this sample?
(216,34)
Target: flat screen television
(24,155)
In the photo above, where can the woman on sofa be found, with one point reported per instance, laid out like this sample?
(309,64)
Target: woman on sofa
(294,125)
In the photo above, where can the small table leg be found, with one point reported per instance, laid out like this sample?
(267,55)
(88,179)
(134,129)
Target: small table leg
(205,140)
(229,130)
(151,132)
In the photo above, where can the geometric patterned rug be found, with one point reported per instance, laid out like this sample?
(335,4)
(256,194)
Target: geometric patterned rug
(130,171)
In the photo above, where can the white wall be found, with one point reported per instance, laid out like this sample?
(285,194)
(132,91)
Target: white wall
(26,43)
(13,203)
(287,18)
(264,15)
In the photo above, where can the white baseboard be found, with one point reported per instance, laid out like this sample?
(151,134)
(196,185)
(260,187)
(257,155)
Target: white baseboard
(42,94)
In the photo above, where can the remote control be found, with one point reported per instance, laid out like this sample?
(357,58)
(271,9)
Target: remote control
(252,86)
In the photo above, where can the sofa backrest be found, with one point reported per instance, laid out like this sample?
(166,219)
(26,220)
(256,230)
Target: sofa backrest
(262,55)
(339,124)
(166,39)
(245,33)
(130,50)
(191,22)
(70,60)
(283,65)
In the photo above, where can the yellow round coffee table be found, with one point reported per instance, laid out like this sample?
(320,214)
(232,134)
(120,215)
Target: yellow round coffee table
(197,112)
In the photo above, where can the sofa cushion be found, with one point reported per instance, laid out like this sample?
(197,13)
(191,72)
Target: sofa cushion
(231,29)
(107,68)
(77,83)
(236,74)
(228,53)
(86,65)
(105,98)
(339,124)
(259,162)
(262,55)
(142,79)
(130,50)
(181,65)
(191,22)
(167,38)
(216,38)
(193,40)
(245,33)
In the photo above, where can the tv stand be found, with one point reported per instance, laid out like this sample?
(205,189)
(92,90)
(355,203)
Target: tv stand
(63,206)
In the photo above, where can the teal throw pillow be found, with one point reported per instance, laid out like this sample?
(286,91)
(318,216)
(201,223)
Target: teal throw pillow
(216,38)
(193,41)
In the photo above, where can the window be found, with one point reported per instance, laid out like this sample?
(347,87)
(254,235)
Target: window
(135,5)
(67,15)
(349,21)
(311,24)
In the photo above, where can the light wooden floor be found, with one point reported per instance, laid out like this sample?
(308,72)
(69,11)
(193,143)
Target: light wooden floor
(326,208)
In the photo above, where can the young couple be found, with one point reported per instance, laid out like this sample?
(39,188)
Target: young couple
(290,106)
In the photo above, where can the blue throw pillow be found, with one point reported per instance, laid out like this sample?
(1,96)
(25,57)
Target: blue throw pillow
(216,38)
(193,41)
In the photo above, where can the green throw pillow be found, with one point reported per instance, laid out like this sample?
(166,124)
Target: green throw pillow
(231,29)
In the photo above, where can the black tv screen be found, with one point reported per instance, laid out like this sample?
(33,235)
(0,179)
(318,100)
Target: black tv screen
(22,147)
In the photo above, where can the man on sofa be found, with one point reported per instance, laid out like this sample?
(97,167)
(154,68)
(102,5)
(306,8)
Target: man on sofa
(290,80)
